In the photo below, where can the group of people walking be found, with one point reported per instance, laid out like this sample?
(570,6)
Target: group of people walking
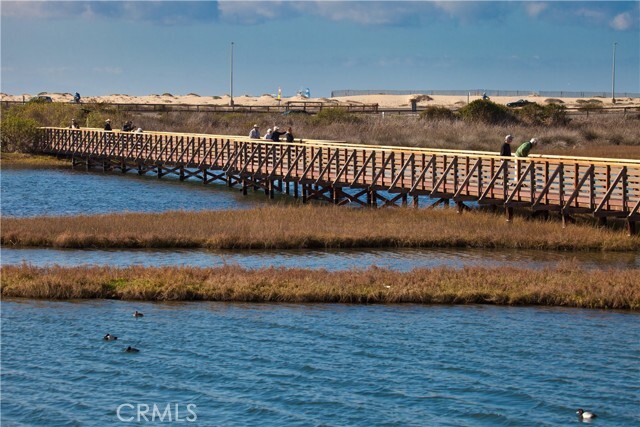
(522,151)
(272,134)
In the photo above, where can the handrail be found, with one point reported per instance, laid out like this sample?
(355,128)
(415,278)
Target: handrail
(600,186)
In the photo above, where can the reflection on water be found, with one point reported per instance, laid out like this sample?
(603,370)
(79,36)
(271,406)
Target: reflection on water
(306,365)
(397,259)
(33,192)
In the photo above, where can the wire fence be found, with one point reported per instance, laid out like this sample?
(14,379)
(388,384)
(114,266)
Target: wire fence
(479,92)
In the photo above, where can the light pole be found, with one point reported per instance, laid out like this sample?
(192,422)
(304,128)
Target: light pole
(231,79)
(613,75)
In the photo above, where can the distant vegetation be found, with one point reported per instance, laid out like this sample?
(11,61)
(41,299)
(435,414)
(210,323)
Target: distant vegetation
(480,125)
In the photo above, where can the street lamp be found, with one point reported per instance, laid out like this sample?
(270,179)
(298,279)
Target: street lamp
(613,75)
(231,78)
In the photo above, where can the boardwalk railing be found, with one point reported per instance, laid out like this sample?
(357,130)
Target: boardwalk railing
(344,173)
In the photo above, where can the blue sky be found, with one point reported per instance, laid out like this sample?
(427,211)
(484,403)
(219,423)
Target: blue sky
(180,47)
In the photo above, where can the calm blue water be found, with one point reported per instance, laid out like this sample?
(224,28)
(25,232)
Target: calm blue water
(395,259)
(296,365)
(305,365)
(33,192)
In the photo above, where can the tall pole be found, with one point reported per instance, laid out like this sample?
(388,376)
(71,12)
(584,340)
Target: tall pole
(613,75)
(231,79)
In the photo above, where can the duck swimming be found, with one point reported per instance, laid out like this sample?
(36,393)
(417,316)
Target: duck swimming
(585,415)
(138,314)
(110,337)
(131,350)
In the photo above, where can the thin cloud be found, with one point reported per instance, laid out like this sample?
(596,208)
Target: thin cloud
(158,12)
(108,70)
(620,15)
(535,8)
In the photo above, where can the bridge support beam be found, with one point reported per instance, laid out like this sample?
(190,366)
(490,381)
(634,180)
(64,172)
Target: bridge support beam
(631,227)
(509,213)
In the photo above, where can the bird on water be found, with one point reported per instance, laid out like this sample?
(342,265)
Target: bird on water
(131,350)
(110,337)
(138,314)
(585,415)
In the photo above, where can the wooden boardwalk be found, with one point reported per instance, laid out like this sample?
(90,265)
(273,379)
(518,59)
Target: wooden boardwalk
(367,175)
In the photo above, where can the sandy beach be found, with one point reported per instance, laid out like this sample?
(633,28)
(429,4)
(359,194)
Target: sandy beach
(383,101)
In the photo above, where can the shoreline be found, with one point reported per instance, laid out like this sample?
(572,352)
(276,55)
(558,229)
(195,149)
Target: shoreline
(383,100)
(563,286)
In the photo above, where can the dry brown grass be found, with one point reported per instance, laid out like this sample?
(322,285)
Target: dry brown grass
(309,226)
(565,286)
(582,136)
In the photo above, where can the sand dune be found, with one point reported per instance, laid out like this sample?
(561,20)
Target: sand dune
(384,101)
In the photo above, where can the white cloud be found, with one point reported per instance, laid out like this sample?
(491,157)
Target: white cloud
(622,22)
(535,8)
(592,14)
(251,12)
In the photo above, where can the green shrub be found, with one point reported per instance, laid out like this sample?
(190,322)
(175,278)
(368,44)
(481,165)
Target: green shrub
(485,111)
(536,115)
(18,134)
(437,113)
(589,134)
(555,114)
(327,116)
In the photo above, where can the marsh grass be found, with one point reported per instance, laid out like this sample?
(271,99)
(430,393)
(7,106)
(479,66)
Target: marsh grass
(581,136)
(309,226)
(565,285)
(34,161)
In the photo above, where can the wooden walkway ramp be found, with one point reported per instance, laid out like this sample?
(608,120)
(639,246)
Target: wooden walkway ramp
(343,173)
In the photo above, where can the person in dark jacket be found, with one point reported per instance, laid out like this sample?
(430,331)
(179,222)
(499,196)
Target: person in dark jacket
(107,124)
(276,134)
(289,135)
(128,126)
(505,151)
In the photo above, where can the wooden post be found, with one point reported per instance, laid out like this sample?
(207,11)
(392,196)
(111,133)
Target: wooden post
(509,212)
(304,193)
(415,201)
(295,189)
(631,227)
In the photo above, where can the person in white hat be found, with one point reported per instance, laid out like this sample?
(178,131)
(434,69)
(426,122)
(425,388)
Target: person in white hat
(525,148)
(268,134)
(107,124)
(275,136)
(255,132)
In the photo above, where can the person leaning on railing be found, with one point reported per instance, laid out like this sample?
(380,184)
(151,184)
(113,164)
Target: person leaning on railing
(524,149)
(276,134)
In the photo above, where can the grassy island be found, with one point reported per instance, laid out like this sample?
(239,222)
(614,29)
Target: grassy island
(309,226)
(565,285)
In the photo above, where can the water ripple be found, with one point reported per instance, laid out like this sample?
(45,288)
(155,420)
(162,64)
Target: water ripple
(244,364)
